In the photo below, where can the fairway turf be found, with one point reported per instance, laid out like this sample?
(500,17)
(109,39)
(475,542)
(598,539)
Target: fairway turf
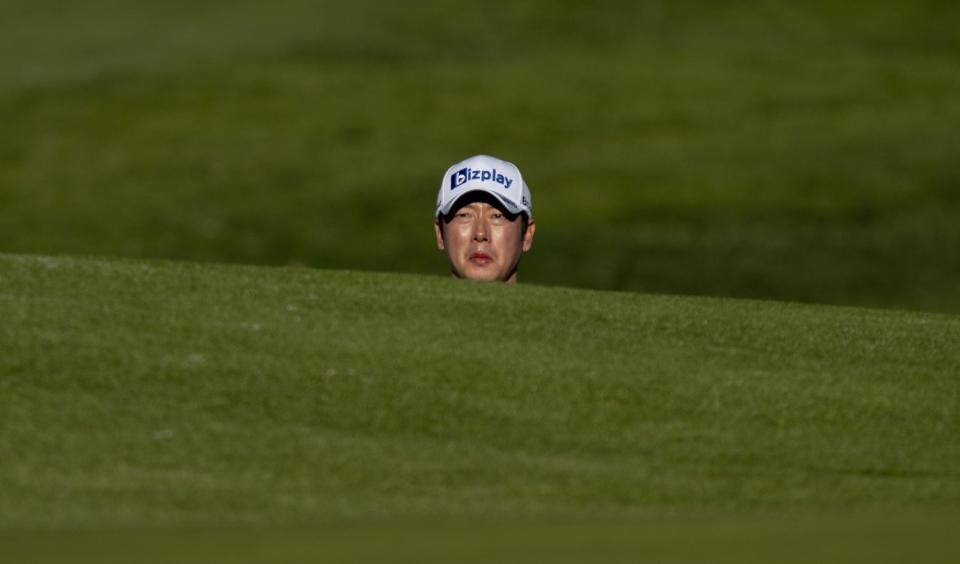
(844,539)
(797,151)
(154,396)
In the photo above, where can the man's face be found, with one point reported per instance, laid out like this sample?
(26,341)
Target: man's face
(484,243)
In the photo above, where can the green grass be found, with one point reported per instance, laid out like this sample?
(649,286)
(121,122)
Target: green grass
(251,411)
(748,149)
(851,538)
(186,412)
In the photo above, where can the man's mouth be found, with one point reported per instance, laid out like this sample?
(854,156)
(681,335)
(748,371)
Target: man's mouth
(481,259)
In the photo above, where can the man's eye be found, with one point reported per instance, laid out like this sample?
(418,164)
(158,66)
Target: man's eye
(497,215)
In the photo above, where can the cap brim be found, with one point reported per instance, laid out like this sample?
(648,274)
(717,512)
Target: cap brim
(508,205)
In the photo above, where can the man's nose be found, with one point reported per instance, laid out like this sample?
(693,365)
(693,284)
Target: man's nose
(480,230)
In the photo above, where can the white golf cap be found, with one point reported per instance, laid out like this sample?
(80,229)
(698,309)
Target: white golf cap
(483,173)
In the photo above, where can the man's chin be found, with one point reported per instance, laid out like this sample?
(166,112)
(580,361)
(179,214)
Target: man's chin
(480,273)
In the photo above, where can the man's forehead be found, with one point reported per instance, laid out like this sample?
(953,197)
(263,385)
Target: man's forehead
(479,206)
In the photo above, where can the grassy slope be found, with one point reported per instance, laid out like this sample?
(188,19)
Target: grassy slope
(847,539)
(152,394)
(744,149)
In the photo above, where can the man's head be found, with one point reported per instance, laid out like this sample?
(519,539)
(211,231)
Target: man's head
(483,219)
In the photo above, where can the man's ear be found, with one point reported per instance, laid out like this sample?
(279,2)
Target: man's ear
(438,231)
(528,235)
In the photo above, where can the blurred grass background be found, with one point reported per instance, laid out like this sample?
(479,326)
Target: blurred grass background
(753,149)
